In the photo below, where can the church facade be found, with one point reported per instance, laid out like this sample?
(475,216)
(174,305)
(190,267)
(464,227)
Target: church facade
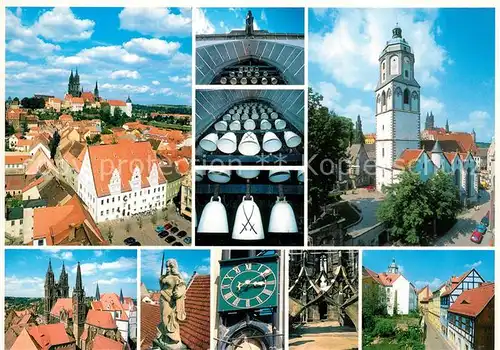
(398,137)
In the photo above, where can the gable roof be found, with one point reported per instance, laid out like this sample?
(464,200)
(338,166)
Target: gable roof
(104,159)
(49,335)
(195,330)
(473,301)
(100,342)
(407,158)
(385,279)
(100,319)
(455,281)
(62,304)
(117,103)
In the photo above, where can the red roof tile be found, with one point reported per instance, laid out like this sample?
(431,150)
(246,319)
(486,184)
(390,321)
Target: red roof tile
(182,166)
(49,335)
(407,158)
(16,159)
(33,184)
(455,281)
(385,279)
(101,319)
(62,304)
(473,301)
(117,103)
(102,343)
(150,318)
(105,159)
(195,330)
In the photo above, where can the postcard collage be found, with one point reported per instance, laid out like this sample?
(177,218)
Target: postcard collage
(249,178)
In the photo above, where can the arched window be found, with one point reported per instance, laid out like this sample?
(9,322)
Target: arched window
(406,97)
(457,177)
(468,182)
(414,101)
(384,100)
(394,65)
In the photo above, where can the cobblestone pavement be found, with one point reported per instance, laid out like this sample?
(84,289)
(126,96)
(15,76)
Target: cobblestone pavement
(434,340)
(146,235)
(368,203)
(321,335)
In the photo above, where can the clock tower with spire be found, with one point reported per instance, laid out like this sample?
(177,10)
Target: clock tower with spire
(398,107)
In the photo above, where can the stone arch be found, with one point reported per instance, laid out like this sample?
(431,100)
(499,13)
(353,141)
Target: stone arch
(406,97)
(384,101)
(457,178)
(389,97)
(398,100)
(414,102)
(394,65)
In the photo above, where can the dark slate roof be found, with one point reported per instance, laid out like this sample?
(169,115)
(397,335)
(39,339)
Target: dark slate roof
(370,150)
(35,203)
(171,175)
(15,213)
(54,192)
(446,145)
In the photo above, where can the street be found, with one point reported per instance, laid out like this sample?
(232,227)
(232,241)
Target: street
(460,233)
(434,340)
(368,203)
(321,335)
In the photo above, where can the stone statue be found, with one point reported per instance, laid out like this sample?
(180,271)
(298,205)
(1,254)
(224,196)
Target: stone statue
(173,290)
(249,24)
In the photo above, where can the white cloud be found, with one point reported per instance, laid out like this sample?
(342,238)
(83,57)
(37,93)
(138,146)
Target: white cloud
(124,73)
(478,120)
(98,53)
(98,253)
(185,275)
(263,16)
(60,25)
(180,60)
(164,91)
(201,23)
(31,47)
(349,51)
(155,82)
(156,21)
(474,265)
(152,46)
(126,87)
(66,255)
(202,269)
(115,281)
(15,64)
(431,104)
(26,287)
(177,79)
(122,264)
(434,284)
(333,99)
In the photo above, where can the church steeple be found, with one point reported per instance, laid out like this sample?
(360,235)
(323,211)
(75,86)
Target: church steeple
(474,135)
(97,293)
(79,309)
(393,268)
(63,283)
(96,91)
(122,300)
(397,32)
(50,292)
(447,126)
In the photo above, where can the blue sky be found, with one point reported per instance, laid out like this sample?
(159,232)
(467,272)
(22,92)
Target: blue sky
(432,267)
(223,20)
(189,261)
(144,52)
(25,270)
(454,54)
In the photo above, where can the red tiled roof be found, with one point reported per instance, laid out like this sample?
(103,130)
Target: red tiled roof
(104,159)
(49,335)
(78,100)
(33,184)
(385,279)
(407,158)
(16,159)
(117,103)
(182,166)
(150,318)
(16,182)
(62,304)
(195,330)
(55,223)
(101,319)
(473,301)
(455,281)
(88,96)
(102,343)
(66,118)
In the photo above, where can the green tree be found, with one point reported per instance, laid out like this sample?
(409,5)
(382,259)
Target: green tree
(54,143)
(445,199)
(374,304)
(9,129)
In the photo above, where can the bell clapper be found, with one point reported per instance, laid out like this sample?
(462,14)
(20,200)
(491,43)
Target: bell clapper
(247,194)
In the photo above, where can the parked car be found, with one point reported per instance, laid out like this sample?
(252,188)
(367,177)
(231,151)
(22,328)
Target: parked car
(170,239)
(163,234)
(129,240)
(187,240)
(476,237)
(486,219)
(136,244)
(181,234)
(481,228)
(167,226)
(159,229)
(178,244)
(174,230)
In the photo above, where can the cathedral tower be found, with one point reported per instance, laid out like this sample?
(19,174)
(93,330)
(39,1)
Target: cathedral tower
(97,293)
(74,84)
(79,309)
(96,92)
(50,293)
(63,284)
(393,268)
(398,107)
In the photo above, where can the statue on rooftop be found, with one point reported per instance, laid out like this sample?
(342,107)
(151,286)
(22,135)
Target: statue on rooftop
(172,295)
(249,24)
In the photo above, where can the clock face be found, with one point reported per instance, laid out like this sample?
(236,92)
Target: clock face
(248,285)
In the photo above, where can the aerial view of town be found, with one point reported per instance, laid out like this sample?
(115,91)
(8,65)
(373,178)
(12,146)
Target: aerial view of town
(100,312)
(410,304)
(98,126)
(401,123)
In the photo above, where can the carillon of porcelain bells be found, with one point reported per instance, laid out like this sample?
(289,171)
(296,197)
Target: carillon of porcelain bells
(248,221)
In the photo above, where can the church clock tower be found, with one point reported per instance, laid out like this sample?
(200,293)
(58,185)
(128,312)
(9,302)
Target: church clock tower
(397,107)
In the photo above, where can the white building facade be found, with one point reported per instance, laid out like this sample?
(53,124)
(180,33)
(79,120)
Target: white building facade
(121,180)
(397,107)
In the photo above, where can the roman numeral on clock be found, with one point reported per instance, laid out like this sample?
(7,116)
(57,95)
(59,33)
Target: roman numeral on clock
(247,303)
(228,295)
(237,269)
(259,300)
(271,282)
(225,286)
(267,291)
(236,301)
(248,266)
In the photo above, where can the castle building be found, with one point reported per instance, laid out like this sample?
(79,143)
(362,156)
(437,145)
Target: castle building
(74,84)
(398,140)
(54,290)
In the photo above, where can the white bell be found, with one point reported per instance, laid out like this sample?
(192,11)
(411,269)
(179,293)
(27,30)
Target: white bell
(248,174)
(233,81)
(249,145)
(277,176)
(292,139)
(226,117)
(219,176)
(255,116)
(271,143)
(221,126)
(208,223)
(274,81)
(223,80)
(236,116)
(264,81)
(269,110)
(209,142)
(249,124)
(248,222)
(199,175)
(265,125)
(264,116)
(227,143)
(282,219)
(280,124)
(244,116)
(274,115)
(235,125)
(300,176)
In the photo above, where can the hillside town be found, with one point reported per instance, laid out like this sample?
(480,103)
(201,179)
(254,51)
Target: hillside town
(100,321)
(457,314)
(87,170)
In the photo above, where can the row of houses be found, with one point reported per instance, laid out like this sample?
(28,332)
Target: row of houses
(462,309)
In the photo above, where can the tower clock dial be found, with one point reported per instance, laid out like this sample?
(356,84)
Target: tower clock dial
(248,285)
